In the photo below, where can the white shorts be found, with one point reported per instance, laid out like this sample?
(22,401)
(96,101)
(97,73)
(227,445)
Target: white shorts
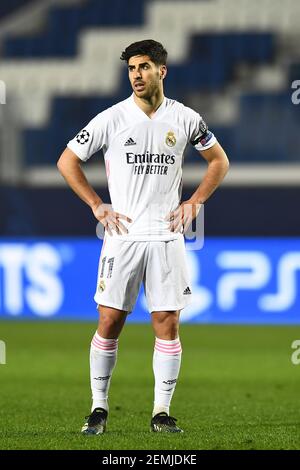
(161,265)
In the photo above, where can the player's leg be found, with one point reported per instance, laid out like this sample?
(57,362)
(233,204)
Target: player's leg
(166,367)
(103,357)
(168,292)
(103,353)
(119,277)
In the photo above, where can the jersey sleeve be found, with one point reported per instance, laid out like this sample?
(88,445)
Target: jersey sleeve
(91,138)
(200,136)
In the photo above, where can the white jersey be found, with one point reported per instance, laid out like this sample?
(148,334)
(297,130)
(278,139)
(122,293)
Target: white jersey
(144,159)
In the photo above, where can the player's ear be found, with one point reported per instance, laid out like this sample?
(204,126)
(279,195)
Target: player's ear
(163,71)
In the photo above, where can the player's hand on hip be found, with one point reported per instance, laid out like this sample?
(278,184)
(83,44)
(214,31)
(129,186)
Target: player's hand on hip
(181,218)
(110,219)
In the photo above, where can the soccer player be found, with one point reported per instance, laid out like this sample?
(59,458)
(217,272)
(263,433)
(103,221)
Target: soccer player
(143,139)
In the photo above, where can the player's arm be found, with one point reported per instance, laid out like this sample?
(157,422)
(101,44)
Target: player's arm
(69,165)
(217,168)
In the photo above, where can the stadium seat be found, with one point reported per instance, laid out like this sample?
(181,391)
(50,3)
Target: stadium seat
(65,24)
(7,7)
(68,116)
(210,50)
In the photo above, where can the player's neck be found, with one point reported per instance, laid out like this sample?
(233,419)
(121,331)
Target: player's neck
(150,105)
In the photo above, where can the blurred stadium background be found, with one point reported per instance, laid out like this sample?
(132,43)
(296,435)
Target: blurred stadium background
(237,62)
(233,61)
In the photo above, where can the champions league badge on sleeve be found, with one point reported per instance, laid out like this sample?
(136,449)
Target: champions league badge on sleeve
(203,127)
(204,135)
(83,137)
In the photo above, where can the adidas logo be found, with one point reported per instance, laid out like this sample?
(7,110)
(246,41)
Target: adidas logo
(130,141)
(187,291)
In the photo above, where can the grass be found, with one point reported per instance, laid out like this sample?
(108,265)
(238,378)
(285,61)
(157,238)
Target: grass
(237,389)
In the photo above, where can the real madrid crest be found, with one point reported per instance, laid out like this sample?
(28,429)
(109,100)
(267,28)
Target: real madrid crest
(170,139)
(101,286)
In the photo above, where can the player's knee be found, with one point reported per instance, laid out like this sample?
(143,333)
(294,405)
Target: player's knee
(109,326)
(166,325)
(171,329)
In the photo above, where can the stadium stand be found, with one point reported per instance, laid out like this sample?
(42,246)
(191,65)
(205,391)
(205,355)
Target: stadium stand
(7,7)
(233,64)
(70,71)
(67,23)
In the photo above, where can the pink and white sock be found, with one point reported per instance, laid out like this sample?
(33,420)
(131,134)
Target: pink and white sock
(103,357)
(166,366)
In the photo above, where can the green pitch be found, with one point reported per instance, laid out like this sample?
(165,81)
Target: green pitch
(238,389)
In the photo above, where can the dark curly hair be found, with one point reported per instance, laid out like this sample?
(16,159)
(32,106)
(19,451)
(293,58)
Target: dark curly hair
(155,50)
